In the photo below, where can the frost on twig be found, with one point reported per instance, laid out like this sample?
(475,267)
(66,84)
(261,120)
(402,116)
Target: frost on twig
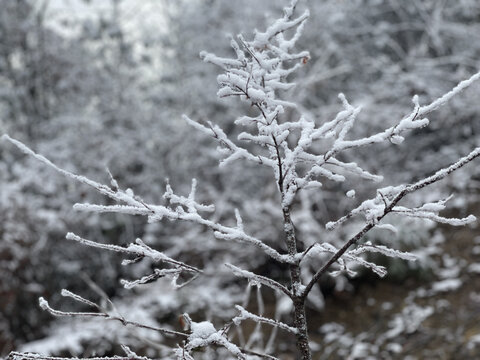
(140,250)
(204,334)
(131,355)
(387,198)
(102,313)
(256,75)
(255,279)
(374,210)
(246,315)
(386,202)
(179,208)
(157,274)
(369,247)
(34,356)
(346,262)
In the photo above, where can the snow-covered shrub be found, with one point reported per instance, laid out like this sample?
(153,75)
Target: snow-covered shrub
(301,152)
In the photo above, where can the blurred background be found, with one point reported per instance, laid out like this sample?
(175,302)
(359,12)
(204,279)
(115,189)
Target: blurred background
(97,85)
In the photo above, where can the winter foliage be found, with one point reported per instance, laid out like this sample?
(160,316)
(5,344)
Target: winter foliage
(278,155)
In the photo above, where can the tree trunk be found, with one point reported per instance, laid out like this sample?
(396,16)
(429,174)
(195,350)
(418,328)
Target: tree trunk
(300,322)
(300,319)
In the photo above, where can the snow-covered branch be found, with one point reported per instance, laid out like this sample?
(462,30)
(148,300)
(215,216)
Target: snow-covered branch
(182,208)
(375,211)
(232,150)
(246,315)
(204,334)
(249,76)
(34,356)
(258,279)
(350,257)
(102,314)
(387,198)
(139,249)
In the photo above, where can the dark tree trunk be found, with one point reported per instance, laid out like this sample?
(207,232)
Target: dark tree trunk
(299,319)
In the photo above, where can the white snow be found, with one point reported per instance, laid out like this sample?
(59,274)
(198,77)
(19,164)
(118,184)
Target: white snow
(446,285)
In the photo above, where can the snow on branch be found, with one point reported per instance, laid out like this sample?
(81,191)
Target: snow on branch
(344,121)
(369,247)
(258,280)
(102,188)
(442,173)
(385,202)
(131,354)
(446,97)
(33,356)
(102,314)
(228,147)
(246,315)
(425,212)
(139,249)
(281,26)
(78,298)
(188,202)
(413,121)
(204,334)
(351,257)
(386,199)
(157,274)
(179,208)
(256,75)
